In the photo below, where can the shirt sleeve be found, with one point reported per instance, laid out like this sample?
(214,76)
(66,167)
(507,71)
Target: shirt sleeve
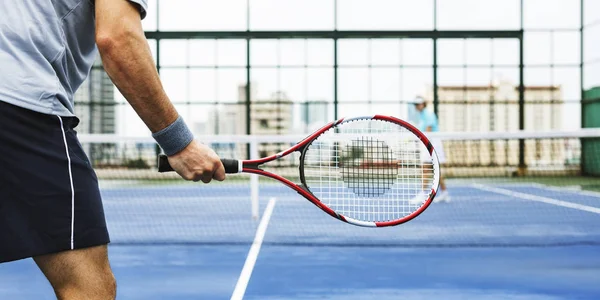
(143,4)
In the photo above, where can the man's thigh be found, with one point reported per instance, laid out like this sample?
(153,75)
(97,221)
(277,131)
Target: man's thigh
(49,196)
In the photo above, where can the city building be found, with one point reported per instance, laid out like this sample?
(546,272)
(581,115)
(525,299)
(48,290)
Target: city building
(313,115)
(268,116)
(95,103)
(495,108)
(96,107)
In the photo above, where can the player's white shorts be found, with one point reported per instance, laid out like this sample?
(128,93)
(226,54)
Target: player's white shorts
(438,146)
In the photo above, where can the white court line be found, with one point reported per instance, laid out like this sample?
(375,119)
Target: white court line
(567,189)
(242,284)
(537,198)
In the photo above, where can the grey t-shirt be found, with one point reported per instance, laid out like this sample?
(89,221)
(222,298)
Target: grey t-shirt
(47,48)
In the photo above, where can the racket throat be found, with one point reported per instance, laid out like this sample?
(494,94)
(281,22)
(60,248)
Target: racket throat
(250,166)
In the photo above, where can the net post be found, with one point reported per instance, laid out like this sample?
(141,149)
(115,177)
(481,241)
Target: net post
(254,182)
(522,167)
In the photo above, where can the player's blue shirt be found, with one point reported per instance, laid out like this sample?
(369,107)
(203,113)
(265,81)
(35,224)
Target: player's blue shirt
(424,119)
(47,49)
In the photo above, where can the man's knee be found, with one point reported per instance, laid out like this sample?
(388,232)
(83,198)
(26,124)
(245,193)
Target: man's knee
(108,288)
(101,286)
(111,286)
(79,274)
(104,284)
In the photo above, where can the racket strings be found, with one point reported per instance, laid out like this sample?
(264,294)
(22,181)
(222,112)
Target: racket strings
(371,173)
(378,171)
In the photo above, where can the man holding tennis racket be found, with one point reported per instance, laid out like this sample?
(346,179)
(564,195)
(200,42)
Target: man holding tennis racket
(50,205)
(426,121)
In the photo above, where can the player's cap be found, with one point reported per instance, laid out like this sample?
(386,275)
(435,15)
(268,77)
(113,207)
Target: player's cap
(417,100)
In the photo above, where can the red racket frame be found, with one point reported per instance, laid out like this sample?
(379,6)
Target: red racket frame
(252,166)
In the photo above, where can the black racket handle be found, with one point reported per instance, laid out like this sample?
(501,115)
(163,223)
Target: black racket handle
(231,165)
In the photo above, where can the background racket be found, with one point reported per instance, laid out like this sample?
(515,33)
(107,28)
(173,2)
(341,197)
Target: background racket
(372,171)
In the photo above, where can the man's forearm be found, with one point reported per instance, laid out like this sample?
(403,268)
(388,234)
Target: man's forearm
(128,61)
(129,64)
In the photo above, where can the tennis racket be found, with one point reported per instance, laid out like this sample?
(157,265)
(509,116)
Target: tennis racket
(372,171)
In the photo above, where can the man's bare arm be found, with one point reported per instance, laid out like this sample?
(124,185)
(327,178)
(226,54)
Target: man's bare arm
(128,62)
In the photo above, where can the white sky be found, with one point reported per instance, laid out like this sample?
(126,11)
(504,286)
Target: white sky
(356,81)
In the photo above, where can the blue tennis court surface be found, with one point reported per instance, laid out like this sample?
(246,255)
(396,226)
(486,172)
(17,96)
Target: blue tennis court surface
(191,242)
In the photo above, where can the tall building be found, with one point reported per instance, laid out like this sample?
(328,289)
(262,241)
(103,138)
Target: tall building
(272,116)
(225,119)
(495,108)
(95,105)
(268,116)
(314,114)
(95,102)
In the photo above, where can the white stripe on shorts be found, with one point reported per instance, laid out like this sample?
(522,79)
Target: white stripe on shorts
(71,181)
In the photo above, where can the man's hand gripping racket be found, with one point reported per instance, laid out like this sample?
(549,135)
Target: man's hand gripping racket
(372,171)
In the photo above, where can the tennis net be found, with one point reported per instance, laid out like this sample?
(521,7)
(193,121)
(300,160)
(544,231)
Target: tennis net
(507,190)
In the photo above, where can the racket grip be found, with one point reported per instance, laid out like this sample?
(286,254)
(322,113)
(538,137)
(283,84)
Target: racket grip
(231,165)
(163,164)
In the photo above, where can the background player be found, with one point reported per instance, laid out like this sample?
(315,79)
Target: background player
(426,121)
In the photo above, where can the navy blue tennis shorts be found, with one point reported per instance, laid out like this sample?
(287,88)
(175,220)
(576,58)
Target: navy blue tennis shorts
(49,196)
